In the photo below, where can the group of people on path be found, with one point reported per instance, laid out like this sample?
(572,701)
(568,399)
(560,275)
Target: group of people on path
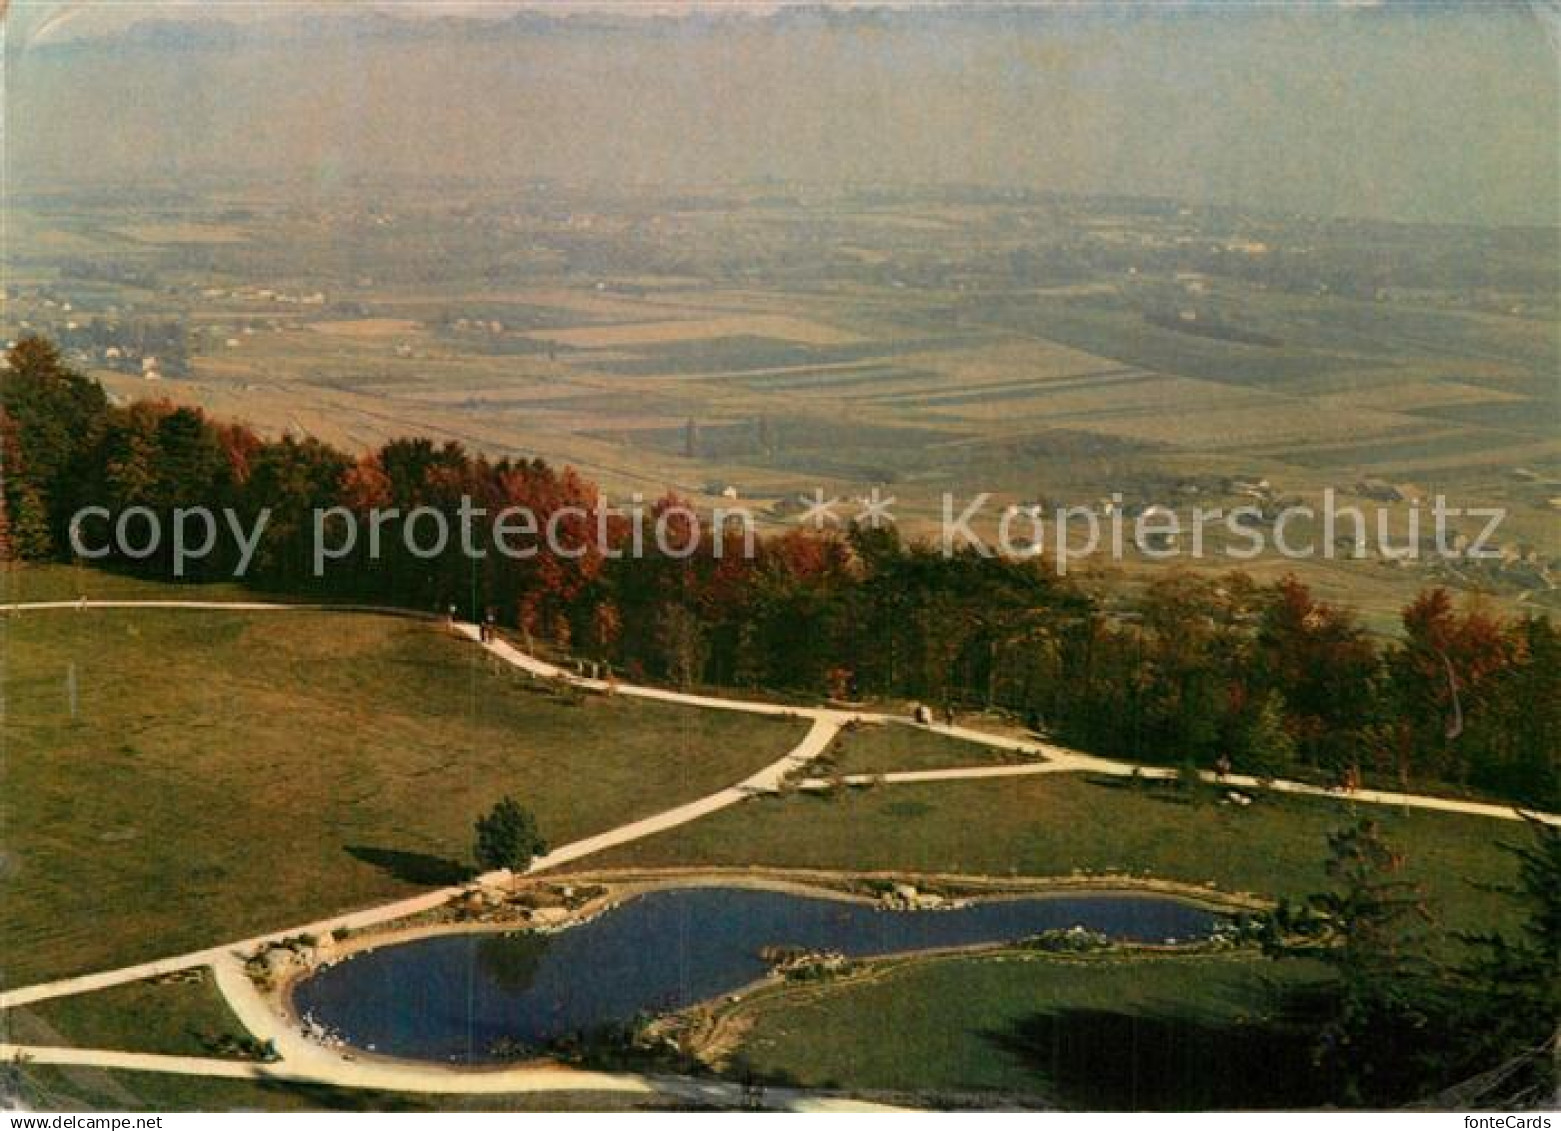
(487,628)
(1348,780)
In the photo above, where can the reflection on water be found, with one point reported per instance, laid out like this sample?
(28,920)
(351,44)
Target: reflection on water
(460,996)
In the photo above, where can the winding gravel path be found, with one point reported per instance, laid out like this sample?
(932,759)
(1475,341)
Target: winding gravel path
(304,1060)
(1060,760)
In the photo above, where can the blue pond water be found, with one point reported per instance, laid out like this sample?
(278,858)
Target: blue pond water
(451,997)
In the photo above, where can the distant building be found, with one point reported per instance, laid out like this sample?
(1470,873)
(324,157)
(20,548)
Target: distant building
(1385,492)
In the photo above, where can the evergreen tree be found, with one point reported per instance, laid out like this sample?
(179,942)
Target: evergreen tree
(54,415)
(1376,1041)
(1267,750)
(1512,1008)
(507,837)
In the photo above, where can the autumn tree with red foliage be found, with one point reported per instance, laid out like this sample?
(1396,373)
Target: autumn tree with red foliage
(1192,670)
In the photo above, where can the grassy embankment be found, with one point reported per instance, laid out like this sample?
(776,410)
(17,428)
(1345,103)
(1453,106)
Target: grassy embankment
(1067,825)
(175,778)
(892,748)
(1175,1032)
(185,1015)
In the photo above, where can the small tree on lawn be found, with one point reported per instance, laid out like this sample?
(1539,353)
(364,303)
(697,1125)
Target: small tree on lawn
(507,837)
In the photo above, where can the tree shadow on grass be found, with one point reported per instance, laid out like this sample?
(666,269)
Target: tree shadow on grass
(413,867)
(1104,1060)
(1166,790)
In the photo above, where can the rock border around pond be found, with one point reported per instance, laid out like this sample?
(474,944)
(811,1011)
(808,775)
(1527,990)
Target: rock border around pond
(555,904)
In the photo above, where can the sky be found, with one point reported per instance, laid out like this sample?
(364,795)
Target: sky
(1394,110)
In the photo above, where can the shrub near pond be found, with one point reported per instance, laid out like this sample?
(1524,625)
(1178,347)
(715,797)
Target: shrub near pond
(1068,940)
(240,1047)
(639,1044)
(800,964)
(511,1049)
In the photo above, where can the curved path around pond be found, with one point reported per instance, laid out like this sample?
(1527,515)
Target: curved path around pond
(1059,759)
(303,1060)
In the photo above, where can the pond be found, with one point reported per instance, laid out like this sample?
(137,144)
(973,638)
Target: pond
(461,996)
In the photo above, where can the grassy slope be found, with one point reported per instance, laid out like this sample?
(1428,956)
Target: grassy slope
(22,583)
(887,749)
(1186,1032)
(230,773)
(176,1018)
(1055,826)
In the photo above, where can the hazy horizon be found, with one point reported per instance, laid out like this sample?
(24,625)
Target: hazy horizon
(1402,112)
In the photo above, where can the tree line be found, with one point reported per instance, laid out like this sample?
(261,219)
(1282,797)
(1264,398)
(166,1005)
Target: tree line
(1267,679)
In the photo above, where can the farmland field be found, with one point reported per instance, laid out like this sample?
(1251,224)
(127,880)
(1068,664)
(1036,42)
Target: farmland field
(932,353)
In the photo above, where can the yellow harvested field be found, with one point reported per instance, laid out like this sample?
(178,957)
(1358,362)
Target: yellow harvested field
(182,233)
(1182,411)
(1008,361)
(922,223)
(1294,423)
(525,387)
(1412,395)
(366,327)
(593,304)
(1162,399)
(779,326)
